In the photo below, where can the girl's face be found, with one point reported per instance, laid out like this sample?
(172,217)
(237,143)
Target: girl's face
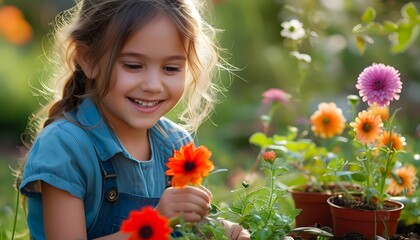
(148,78)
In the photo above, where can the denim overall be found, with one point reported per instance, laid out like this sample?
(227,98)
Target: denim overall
(115,206)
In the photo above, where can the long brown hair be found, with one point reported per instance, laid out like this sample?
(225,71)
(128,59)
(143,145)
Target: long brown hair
(101,28)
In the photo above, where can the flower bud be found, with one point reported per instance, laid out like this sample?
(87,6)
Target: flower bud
(353,100)
(269,156)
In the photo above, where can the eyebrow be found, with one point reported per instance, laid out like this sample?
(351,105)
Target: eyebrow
(139,55)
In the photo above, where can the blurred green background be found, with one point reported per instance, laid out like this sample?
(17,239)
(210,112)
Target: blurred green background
(251,37)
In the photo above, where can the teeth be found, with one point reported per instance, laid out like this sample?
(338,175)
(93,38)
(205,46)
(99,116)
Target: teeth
(144,103)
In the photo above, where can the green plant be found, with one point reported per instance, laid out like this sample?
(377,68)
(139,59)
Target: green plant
(402,33)
(257,207)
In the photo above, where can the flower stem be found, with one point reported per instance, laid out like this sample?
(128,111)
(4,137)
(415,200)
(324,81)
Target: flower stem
(385,174)
(367,167)
(16,213)
(271,194)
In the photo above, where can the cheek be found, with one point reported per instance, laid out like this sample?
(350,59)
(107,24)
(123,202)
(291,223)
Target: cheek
(181,85)
(115,78)
(121,80)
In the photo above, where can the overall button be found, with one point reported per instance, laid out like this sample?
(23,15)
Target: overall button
(112,195)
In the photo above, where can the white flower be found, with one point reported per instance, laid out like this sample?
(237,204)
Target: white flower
(293,29)
(301,56)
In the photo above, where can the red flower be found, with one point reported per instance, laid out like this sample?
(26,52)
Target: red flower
(269,156)
(189,165)
(146,224)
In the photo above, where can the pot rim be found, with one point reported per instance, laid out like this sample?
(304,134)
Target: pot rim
(399,205)
(300,189)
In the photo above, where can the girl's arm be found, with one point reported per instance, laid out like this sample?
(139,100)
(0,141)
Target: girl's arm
(64,216)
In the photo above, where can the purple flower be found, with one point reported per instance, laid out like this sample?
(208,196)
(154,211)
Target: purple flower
(275,95)
(379,84)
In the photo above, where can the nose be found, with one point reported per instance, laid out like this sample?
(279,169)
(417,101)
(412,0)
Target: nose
(152,80)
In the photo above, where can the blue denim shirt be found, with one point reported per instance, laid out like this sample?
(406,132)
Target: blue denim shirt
(66,155)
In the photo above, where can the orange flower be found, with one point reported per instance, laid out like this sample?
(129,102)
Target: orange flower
(368,127)
(394,141)
(189,165)
(381,111)
(13,26)
(146,224)
(405,180)
(328,121)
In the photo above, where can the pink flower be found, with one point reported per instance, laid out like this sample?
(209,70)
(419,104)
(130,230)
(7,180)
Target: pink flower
(275,95)
(379,84)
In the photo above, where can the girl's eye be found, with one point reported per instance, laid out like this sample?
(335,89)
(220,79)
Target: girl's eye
(172,69)
(133,66)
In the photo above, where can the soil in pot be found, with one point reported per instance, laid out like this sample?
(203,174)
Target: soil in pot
(404,232)
(398,236)
(353,215)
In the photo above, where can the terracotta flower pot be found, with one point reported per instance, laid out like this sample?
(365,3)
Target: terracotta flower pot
(314,206)
(315,209)
(369,223)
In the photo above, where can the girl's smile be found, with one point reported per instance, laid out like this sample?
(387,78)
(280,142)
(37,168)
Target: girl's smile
(144,105)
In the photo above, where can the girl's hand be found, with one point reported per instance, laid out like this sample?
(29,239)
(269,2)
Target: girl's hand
(190,203)
(234,231)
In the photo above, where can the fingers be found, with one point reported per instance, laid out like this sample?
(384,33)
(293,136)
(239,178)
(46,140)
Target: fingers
(209,194)
(192,217)
(200,191)
(190,203)
(234,231)
(245,235)
(188,197)
(201,210)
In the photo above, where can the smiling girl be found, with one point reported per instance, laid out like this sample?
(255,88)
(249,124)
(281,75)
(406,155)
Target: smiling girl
(102,149)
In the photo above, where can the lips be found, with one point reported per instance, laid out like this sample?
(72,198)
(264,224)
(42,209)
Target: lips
(144,104)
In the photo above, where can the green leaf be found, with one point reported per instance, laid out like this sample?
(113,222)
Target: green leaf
(359,28)
(369,15)
(292,132)
(340,173)
(336,164)
(260,234)
(280,171)
(358,177)
(260,139)
(409,11)
(312,231)
(375,28)
(280,148)
(390,26)
(405,36)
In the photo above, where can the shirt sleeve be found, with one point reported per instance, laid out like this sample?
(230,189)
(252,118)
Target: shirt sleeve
(58,157)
